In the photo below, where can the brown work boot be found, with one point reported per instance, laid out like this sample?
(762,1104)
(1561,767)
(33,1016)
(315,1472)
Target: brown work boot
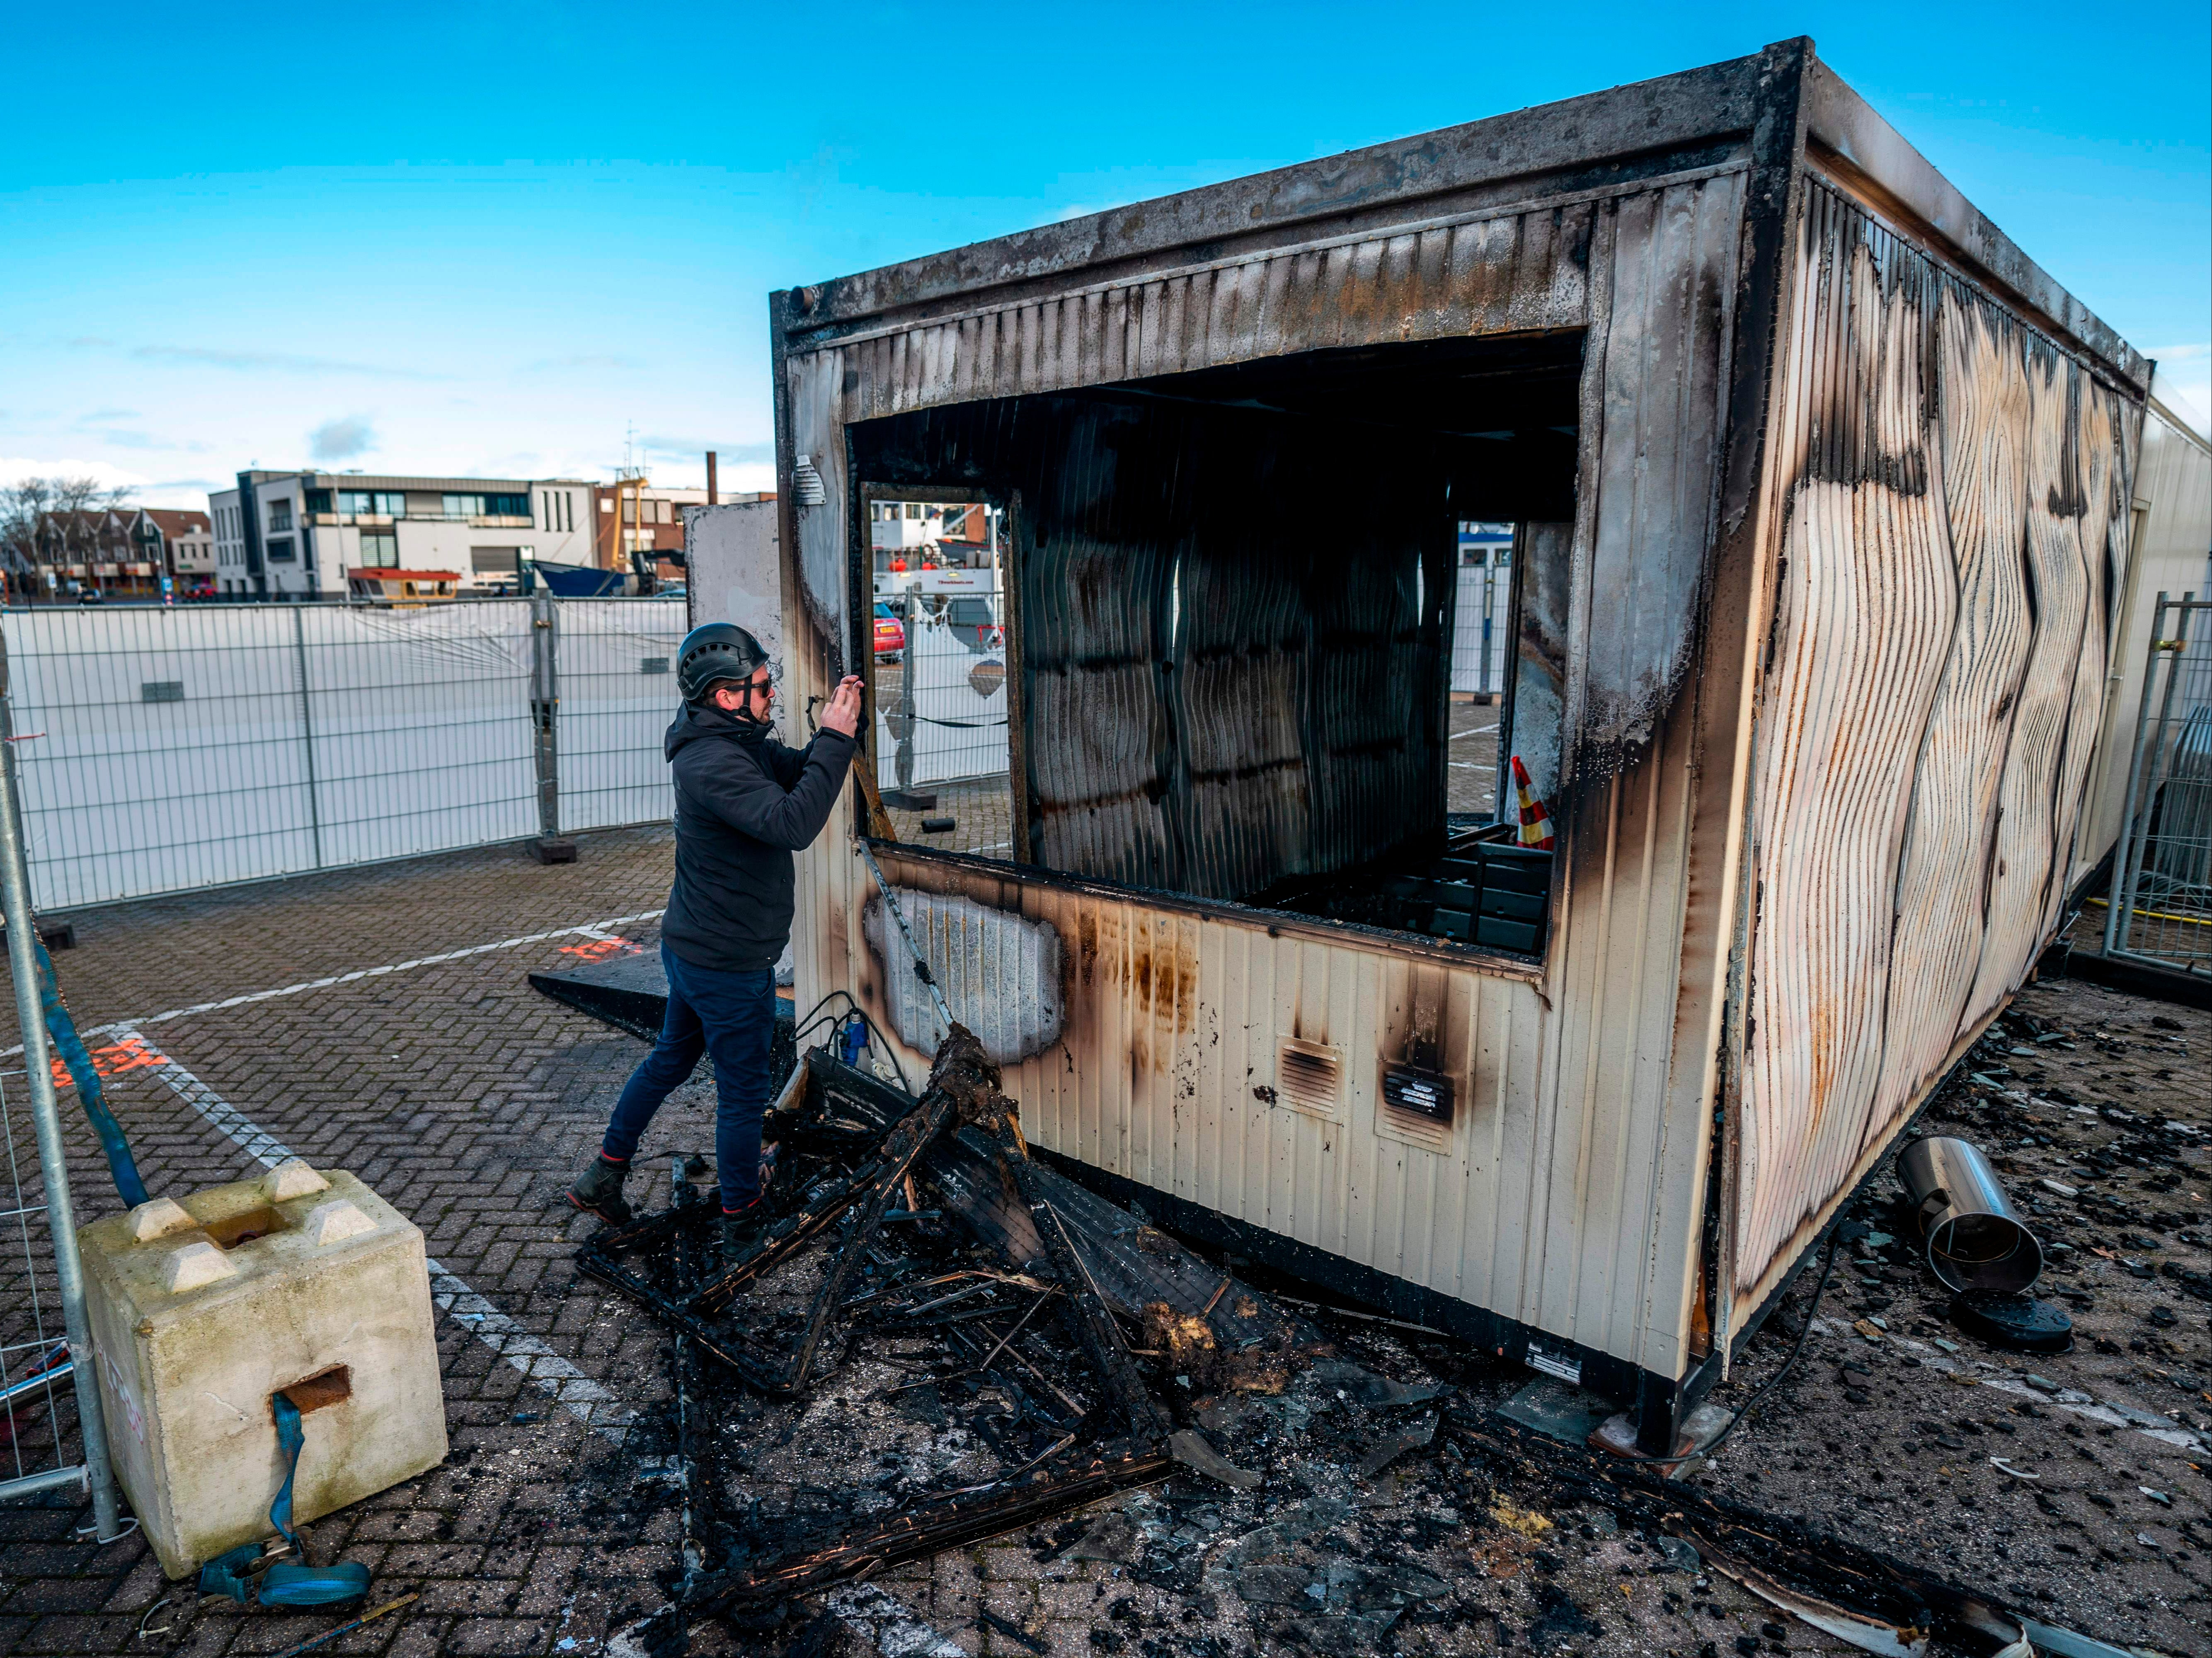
(598,1190)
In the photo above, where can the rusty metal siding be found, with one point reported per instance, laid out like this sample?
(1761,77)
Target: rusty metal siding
(1487,273)
(1930,705)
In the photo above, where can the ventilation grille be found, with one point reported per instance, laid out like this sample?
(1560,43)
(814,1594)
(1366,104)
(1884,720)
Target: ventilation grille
(1416,1108)
(1309,1077)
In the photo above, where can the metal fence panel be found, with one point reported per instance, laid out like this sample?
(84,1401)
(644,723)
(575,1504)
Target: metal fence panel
(616,661)
(38,1407)
(160,749)
(941,709)
(2161,904)
(419,723)
(164,749)
(1482,607)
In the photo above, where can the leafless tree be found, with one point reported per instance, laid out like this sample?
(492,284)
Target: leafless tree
(51,520)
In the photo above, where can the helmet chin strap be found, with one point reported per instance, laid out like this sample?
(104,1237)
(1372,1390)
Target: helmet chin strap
(744,712)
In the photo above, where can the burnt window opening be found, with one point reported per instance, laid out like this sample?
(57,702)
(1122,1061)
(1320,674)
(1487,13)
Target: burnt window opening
(1230,604)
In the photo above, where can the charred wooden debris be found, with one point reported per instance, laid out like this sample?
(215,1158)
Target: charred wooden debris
(1069,1270)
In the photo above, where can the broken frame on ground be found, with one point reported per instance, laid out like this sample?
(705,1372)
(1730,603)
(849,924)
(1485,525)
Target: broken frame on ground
(1825,493)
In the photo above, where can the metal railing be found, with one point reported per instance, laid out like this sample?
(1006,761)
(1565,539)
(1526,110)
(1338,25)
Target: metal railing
(2161,904)
(164,749)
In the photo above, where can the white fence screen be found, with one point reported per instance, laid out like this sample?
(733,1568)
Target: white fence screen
(164,749)
(941,708)
(618,675)
(422,733)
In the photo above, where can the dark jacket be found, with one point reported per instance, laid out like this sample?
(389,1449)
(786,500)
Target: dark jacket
(743,803)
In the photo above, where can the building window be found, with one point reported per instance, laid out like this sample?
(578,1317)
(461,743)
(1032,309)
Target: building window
(280,515)
(488,506)
(319,500)
(380,548)
(495,560)
(280,547)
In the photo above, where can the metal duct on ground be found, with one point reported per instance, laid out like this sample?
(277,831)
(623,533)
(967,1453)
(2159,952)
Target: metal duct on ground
(1975,1240)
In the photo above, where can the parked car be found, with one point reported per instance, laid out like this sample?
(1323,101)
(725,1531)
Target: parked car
(890,635)
(974,622)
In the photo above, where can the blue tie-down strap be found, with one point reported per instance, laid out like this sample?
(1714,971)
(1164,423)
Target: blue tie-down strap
(231,1574)
(293,1582)
(121,1166)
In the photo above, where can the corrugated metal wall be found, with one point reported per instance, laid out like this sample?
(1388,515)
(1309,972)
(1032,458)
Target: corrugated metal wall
(1931,704)
(1569,1195)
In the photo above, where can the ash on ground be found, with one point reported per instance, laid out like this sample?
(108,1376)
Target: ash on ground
(1383,1520)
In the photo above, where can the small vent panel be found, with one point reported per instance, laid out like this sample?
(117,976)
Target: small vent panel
(1309,1077)
(1416,1108)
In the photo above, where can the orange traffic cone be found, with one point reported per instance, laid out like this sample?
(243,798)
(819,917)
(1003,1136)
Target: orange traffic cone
(1535,819)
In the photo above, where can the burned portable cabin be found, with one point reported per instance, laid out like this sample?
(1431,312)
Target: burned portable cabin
(1821,490)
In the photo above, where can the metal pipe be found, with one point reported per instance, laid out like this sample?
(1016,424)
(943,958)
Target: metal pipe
(1976,1241)
(31,1384)
(54,1162)
(37,1485)
(308,728)
(545,702)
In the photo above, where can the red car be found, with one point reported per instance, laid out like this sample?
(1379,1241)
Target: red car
(890,635)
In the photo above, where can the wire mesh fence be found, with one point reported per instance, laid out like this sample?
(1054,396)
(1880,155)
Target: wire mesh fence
(940,718)
(37,1405)
(2162,907)
(163,749)
(616,662)
(1481,617)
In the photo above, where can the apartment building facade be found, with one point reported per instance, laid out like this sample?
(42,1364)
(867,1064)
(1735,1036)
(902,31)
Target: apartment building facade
(124,550)
(299,535)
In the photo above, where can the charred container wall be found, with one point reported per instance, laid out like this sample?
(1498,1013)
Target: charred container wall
(1761,431)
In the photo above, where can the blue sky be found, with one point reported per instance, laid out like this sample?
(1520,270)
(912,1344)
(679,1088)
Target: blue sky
(493,239)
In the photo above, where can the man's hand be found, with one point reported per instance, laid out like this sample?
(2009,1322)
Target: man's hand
(843,714)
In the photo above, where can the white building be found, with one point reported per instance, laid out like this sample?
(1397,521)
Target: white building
(292,534)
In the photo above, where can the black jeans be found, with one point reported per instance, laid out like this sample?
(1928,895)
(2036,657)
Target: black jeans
(732,1016)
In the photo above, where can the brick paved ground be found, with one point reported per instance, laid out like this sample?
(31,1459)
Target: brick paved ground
(466,1100)
(1471,785)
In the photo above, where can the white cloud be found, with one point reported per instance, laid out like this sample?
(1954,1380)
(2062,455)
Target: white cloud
(14,469)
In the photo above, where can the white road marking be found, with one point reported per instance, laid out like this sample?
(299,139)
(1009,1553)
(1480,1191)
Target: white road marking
(588,929)
(583,1397)
(1474,730)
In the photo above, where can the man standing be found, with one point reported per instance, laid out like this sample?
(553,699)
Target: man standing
(743,803)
